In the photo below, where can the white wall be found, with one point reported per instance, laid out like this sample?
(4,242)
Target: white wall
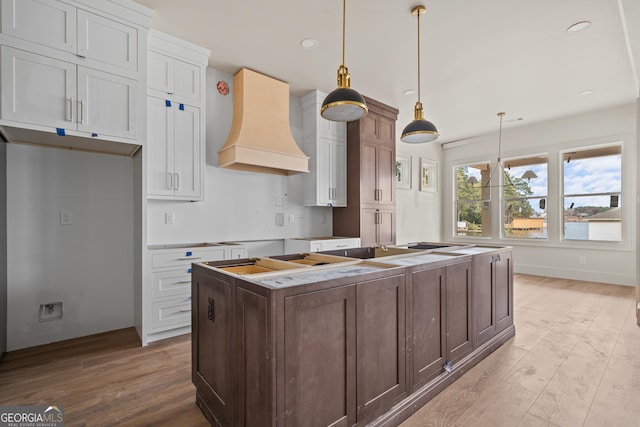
(238,206)
(87,265)
(418,212)
(605,261)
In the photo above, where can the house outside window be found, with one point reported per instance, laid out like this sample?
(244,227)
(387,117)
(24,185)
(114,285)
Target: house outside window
(473,200)
(524,198)
(592,193)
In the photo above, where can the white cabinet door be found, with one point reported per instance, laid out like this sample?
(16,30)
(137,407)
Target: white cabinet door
(187,80)
(187,152)
(174,77)
(160,72)
(324,179)
(37,89)
(159,147)
(339,173)
(175,150)
(107,103)
(47,22)
(107,41)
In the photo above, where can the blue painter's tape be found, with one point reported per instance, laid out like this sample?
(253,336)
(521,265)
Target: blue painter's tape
(167,103)
(94,135)
(182,107)
(60,132)
(189,253)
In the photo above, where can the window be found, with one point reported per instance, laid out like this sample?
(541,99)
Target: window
(524,197)
(473,200)
(592,194)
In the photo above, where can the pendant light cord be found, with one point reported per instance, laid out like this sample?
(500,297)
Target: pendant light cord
(418,56)
(344,25)
(500,138)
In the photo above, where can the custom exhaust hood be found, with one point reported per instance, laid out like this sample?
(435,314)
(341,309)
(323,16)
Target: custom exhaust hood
(260,139)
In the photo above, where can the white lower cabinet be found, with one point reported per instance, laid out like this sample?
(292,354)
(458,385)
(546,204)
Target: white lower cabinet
(168,298)
(301,245)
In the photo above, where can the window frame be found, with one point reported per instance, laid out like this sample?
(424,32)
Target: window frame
(504,200)
(562,196)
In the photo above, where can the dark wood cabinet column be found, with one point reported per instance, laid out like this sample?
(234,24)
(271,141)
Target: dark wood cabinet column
(371,192)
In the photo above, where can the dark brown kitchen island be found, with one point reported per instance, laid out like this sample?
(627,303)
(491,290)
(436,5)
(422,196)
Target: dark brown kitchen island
(326,340)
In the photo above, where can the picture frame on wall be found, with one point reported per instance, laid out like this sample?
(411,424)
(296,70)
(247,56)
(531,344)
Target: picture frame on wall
(428,175)
(403,171)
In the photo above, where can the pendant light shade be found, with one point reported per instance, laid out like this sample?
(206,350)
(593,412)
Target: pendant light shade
(344,104)
(419,130)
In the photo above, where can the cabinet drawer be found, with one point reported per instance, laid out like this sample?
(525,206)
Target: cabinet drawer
(329,245)
(171,314)
(172,282)
(186,257)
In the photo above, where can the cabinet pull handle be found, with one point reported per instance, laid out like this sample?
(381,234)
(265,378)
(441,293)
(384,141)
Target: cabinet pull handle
(177,181)
(82,111)
(71,109)
(211,312)
(169,180)
(189,257)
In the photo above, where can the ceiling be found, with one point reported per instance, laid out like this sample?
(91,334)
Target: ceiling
(478,58)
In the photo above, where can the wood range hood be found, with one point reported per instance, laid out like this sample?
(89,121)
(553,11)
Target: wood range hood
(260,139)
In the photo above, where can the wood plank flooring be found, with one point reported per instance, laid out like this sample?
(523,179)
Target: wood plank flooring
(575,361)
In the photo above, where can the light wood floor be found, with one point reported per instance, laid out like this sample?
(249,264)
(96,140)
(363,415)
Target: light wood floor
(575,361)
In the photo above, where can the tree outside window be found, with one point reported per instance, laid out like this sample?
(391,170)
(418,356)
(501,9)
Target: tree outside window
(524,196)
(473,201)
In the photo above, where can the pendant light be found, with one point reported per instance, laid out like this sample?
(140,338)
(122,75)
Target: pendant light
(419,130)
(344,104)
(499,160)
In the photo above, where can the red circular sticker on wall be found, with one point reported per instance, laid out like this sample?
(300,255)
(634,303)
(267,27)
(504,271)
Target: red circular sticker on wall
(223,88)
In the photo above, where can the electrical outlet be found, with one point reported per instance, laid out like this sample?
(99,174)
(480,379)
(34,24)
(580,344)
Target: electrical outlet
(170,218)
(66,218)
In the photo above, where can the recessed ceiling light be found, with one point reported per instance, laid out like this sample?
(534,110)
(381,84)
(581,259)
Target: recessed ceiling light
(587,92)
(409,92)
(308,43)
(578,26)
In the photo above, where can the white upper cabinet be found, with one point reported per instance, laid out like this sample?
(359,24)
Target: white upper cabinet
(107,103)
(73,69)
(47,22)
(172,76)
(176,118)
(324,142)
(107,41)
(61,26)
(29,84)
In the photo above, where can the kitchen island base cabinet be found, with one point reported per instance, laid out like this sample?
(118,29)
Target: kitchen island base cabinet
(492,293)
(365,348)
(320,332)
